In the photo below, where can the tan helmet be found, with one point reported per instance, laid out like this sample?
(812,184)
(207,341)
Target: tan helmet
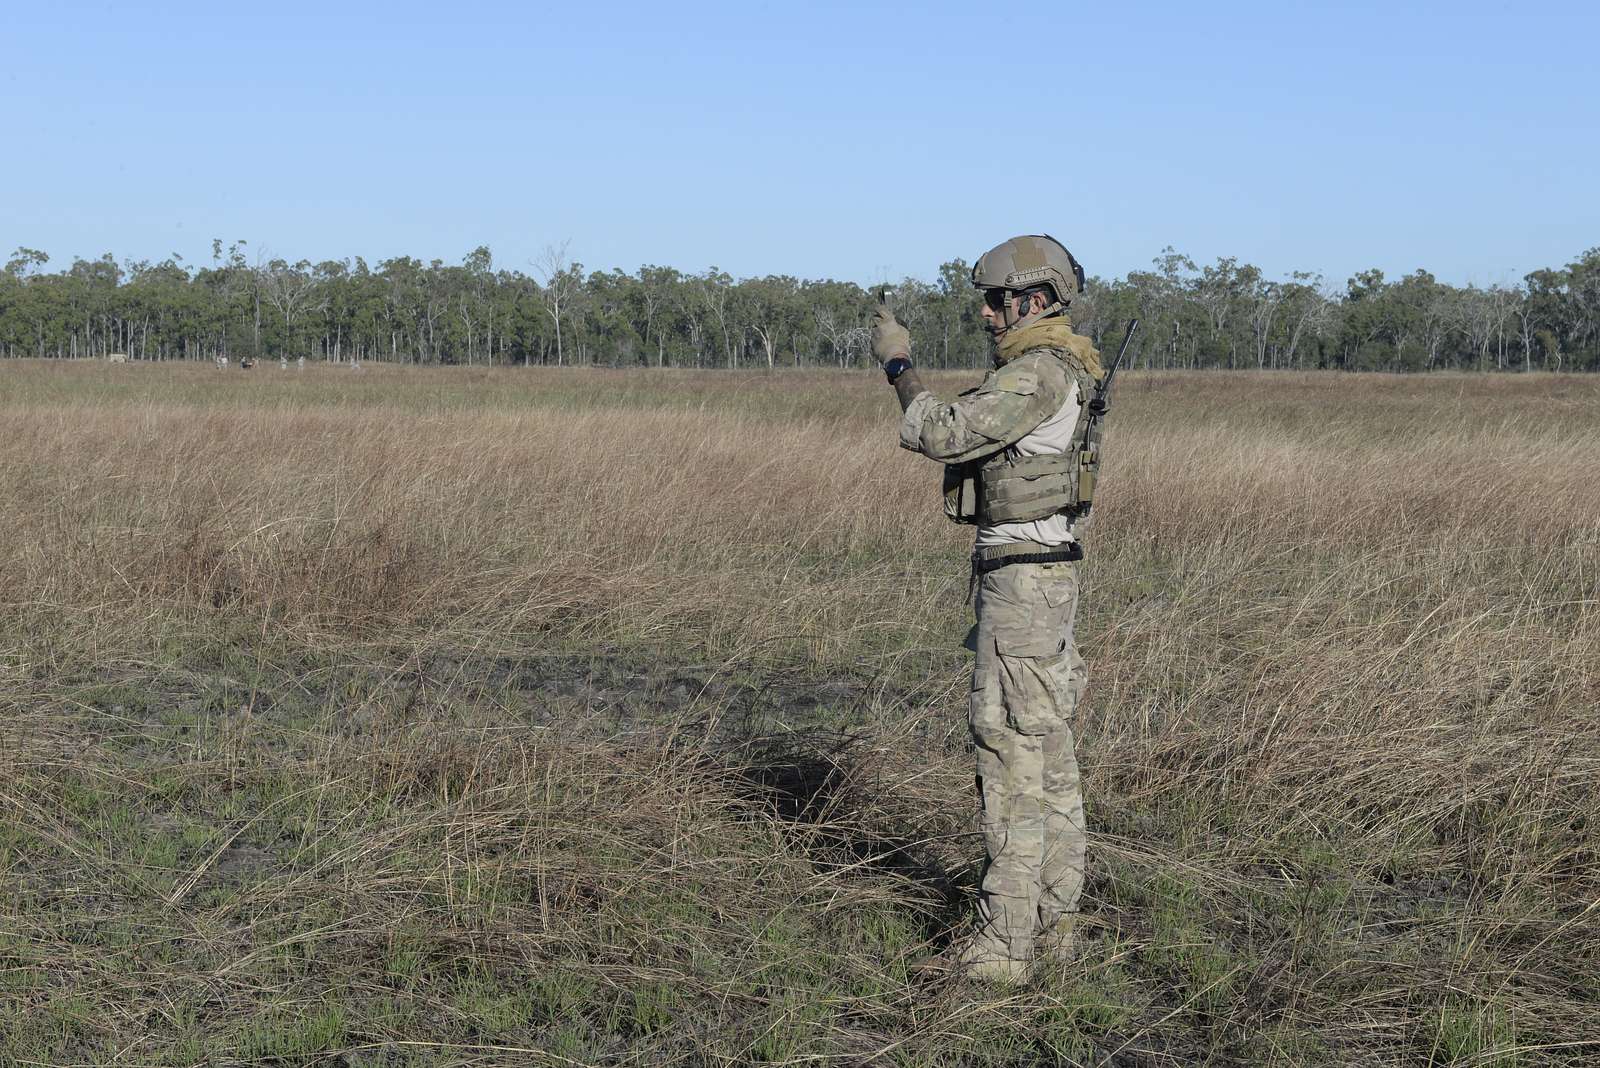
(1025,262)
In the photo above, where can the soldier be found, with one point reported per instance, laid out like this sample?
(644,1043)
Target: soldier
(1011,459)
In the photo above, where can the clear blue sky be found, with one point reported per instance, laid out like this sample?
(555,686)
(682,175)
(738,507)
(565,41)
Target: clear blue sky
(821,139)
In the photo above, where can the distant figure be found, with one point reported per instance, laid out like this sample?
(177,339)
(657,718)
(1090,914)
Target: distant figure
(222,363)
(246,363)
(117,357)
(300,362)
(283,363)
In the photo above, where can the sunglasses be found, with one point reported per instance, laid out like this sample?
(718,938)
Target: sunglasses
(996,299)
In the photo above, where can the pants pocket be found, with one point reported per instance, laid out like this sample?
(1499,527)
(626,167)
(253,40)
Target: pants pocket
(1031,689)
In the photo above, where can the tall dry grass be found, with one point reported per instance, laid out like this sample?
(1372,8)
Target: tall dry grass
(651,682)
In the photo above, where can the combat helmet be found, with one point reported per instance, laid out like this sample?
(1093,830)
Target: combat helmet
(1030,262)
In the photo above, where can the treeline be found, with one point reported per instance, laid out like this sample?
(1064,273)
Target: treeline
(1225,315)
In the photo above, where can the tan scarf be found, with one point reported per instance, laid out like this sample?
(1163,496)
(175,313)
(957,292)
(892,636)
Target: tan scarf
(1052,333)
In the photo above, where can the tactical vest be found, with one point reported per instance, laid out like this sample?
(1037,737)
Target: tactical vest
(1007,488)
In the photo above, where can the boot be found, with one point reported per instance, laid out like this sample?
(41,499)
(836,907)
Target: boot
(999,971)
(981,959)
(974,958)
(1058,941)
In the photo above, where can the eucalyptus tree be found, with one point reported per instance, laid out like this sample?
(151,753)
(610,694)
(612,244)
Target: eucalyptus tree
(402,288)
(1265,298)
(840,311)
(22,306)
(1364,317)
(773,312)
(157,302)
(647,300)
(470,289)
(363,311)
(957,309)
(229,293)
(714,288)
(1220,291)
(293,291)
(1307,306)
(1174,320)
(608,319)
(524,326)
(1481,316)
(561,282)
(1103,309)
(337,294)
(1583,306)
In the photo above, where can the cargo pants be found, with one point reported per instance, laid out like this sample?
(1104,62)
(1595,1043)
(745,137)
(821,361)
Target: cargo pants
(1026,682)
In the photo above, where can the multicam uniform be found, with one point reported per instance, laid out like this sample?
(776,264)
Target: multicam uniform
(1027,677)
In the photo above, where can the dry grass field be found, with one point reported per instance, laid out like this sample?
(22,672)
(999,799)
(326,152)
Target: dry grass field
(469,717)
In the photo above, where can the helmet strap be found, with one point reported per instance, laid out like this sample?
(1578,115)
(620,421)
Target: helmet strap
(1008,319)
(1010,322)
(1055,307)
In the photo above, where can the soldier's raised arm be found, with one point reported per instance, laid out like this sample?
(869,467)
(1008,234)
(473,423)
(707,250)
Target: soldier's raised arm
(1012,400)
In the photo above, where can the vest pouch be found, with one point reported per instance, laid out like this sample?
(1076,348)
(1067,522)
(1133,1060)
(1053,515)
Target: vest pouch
(1088,471)
(1029,488)
(961,492)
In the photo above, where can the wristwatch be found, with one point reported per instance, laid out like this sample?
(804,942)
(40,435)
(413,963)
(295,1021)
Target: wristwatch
(896,367)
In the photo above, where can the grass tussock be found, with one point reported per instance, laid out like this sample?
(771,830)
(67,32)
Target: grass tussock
(471,717)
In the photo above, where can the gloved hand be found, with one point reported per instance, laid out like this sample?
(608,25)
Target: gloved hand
(889,337)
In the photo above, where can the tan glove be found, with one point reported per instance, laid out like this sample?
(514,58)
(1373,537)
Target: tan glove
(889,337)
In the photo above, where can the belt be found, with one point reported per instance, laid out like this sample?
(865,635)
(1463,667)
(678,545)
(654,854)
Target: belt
(992,557)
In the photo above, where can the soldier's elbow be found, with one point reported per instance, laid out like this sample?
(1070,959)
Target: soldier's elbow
(943,452)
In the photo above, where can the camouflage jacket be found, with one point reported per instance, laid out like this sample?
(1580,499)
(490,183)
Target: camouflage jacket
(1011,401)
